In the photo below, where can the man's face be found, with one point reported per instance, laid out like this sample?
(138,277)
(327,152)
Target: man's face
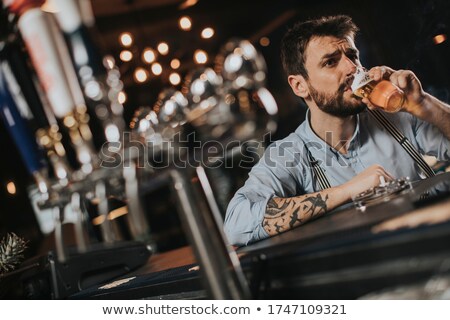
(331,64)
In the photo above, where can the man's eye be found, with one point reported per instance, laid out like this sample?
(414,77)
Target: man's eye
(353,57)
(330,62)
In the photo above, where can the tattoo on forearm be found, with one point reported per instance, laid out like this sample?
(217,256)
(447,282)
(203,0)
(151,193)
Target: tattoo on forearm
(273,209)
(286,213)
(294,218)
(315,202)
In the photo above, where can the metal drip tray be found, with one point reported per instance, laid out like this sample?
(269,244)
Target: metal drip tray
(381,193)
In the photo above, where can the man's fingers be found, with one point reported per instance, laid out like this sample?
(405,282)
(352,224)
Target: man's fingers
(387,175)
(369,104)
(383,173)
(381,72)
(402,78)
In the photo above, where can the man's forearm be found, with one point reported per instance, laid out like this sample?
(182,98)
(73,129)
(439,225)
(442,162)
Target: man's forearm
(435,112)
(286,213)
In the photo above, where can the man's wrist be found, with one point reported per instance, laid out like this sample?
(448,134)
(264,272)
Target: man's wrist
(341,193)
(422,108)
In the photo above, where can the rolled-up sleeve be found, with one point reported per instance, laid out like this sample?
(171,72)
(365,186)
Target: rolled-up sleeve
(270,177)
(431,141)
(243,219)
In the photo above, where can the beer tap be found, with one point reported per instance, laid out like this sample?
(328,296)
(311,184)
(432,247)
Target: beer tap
(100,82)
(156,131)
(209,115)
(49,57)
(250,104)
(23,138)
(44,47)
(33,107)
(226,105)
(165,128)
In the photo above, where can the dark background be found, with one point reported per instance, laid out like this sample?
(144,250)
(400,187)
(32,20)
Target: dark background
(394,33)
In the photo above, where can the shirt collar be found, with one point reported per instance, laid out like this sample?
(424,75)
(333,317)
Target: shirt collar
(307,133)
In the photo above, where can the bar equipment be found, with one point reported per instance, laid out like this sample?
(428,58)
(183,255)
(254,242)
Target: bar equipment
(100,83)
(231,110)
(31,104)
(228,106)
(44,46)
(100,86)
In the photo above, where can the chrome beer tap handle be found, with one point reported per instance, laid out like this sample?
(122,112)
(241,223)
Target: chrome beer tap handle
(76,206)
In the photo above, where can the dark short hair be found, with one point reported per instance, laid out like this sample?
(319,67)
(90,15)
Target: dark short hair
(296,39)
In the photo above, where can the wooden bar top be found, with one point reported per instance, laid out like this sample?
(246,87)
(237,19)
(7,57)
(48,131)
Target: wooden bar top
(167,260)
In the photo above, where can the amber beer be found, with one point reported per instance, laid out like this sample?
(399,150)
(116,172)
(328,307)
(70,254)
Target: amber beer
(383,94)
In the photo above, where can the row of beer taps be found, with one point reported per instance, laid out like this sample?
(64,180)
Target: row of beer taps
(77,89)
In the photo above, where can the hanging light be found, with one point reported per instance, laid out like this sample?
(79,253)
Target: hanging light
(264,41)
(149,55)
(185,23)
(11,187)
(188,3)
(207,33)
(156,69)
(174,78)
(175,64)
(438,39)
(200,57)
(126,55)
(163,48)
(140,75)
(126,39)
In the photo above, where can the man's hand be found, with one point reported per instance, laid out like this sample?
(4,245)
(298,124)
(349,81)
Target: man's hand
(407,81)
(417,102)
(367,179)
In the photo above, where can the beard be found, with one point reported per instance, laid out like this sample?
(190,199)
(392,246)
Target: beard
(335,104)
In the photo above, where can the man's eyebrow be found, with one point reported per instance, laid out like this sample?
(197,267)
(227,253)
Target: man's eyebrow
(330,55)
(352,51)
(337,52)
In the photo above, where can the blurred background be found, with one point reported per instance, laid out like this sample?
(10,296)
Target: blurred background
(156,42)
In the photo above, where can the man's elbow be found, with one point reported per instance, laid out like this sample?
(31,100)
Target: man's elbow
(243,219)
(236,238)
(234,235)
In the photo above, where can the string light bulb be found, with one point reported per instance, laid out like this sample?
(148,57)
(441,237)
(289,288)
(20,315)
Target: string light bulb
(126,39)
(163,48)
(174,78)
(200,57)
(264,41)
(438,39)
(149,55)
(156,69)
(207,33)
(185,23)
(140,75)
(11,187)
(175,64)
(126,55)
(188,3)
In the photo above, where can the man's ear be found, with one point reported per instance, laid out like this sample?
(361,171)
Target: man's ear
(299,85)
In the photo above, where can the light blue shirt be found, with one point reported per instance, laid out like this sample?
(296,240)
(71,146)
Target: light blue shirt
(284,169)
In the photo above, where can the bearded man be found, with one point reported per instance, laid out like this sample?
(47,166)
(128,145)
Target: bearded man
(339,150)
